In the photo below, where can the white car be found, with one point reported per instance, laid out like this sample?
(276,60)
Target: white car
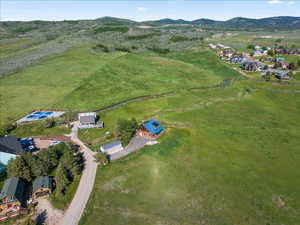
(54,143)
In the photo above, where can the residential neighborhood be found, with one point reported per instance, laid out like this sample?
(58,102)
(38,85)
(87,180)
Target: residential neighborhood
(266,60)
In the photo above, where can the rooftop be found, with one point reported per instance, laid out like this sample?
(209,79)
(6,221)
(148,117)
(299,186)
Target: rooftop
(13,189)
(10,144)
(42,182)
(153,127)
(87,114)
(112,146)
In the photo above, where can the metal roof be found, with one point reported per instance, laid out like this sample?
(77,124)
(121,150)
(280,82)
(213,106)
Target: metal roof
(153,127)
(42,182)
(10,144)
(13,189)
(111,147)
(87,114)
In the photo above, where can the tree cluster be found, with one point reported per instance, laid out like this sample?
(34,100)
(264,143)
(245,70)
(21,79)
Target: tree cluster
(126,129)
(70,165)
(29,166)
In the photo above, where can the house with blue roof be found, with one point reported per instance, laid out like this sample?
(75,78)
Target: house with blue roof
(150,128)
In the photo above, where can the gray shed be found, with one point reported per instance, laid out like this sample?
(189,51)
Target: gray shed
(112,147)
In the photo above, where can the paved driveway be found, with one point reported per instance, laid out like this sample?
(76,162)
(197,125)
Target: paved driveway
(136,143)
(76,208)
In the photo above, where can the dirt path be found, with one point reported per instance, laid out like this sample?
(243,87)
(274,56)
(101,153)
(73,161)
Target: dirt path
(76,208)
(47,214)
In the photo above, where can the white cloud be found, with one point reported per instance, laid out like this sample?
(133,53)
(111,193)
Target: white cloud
(274,2)
(290,3)
(141,9)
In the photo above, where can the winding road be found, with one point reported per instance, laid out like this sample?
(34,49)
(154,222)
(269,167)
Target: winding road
(81,197)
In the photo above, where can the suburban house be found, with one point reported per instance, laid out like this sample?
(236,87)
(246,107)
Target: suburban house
(250,66)
(42,186)
(12,194)
(112,147)
(88,120)
(259,52)
(10,148)
(282,75)
(150,128)
(237,60)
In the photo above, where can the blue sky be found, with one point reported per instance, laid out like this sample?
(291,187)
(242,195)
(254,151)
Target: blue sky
(145,9)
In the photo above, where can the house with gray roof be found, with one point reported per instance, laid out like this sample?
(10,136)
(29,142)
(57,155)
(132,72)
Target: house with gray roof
(42,186)
(112,147)
(12,194)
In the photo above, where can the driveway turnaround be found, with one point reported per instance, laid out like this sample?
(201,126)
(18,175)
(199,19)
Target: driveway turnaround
(76,208)
(136,143)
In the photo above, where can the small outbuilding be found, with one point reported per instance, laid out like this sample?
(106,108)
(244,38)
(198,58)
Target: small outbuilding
(112,147)
(12,194)
(150,128)
(42,186)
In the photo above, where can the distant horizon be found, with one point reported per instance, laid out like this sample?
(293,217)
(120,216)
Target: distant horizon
(145,10)
(146,20)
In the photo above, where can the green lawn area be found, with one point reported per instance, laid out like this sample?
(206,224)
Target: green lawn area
(81,79)
(133,75)
(228,156)
(12,46)
(37,129)
(45,82)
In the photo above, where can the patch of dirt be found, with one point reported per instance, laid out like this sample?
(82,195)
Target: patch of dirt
(278,201)
(47,214)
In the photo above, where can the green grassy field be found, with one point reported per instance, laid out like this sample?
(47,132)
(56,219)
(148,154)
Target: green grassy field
(228,156)
(44,83)
(82,79)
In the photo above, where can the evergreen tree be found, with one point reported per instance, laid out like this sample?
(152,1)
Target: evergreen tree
(19,168)
(61,179)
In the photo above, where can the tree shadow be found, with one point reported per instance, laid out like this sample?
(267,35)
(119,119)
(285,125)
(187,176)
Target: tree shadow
(41,218)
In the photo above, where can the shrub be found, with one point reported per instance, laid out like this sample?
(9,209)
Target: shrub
(250,46)
(123,49)
(113,29)
(141,37)
(159,50)
(179,38)
(102,47)
(22,30)
(49,123)
(7,128)
(100,158)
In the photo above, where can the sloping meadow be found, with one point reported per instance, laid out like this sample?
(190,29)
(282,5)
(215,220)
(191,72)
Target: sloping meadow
(228,156)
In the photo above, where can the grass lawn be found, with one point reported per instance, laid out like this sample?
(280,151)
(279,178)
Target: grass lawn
(37,129)
(45,82)
(133,75)
(228,156)
(82,80)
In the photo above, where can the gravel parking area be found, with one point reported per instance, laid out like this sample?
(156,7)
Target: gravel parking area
(46,213)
